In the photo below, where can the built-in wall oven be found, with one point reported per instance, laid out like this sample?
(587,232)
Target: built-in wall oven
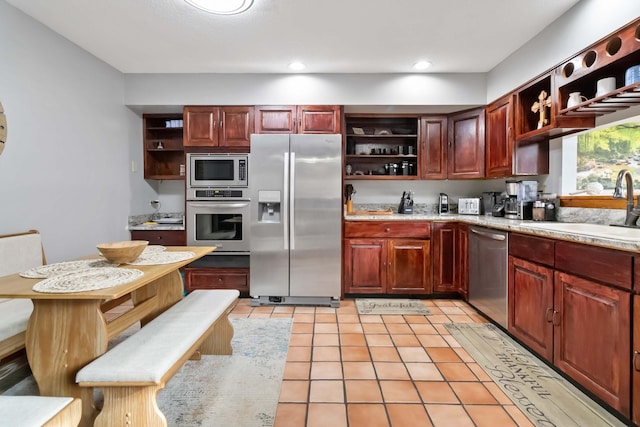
(218,214)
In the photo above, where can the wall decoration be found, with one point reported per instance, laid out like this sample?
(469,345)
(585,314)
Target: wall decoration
(3,128)
(544,102)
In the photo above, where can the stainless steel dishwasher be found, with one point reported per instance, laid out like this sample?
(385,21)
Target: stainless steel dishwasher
(488,259)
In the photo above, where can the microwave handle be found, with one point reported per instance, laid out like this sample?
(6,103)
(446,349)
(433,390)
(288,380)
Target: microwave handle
(285,198)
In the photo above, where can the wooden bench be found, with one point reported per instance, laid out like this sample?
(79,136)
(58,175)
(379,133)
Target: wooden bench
(37,411)
(133,372)
(18,252)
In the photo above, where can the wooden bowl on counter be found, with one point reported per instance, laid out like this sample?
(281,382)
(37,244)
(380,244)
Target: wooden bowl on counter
(122,252)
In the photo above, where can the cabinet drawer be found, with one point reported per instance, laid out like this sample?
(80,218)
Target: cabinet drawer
(410,229)
(217,278)
(530,248)
(167,237)
(602,264)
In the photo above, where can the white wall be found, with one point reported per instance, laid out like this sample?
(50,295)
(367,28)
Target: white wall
(65,167)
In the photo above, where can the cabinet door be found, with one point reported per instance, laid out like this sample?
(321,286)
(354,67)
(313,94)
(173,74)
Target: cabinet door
(592,336)
(201,126)
(365,266)
(408,266)
(499,138)
(462,261)
(465,157)
(444,262)
(236,127)
(433,147)
(531,305)
(636,360)
(318,118)
(275,119)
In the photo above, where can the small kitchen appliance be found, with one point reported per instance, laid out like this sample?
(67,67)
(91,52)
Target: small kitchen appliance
(470,206)
(511,201)
(443,204)
(489,200)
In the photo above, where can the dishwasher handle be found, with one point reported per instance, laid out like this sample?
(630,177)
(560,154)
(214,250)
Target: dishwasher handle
(488,235)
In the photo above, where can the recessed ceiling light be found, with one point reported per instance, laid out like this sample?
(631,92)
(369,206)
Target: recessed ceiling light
(297,66)
(221,7)
(422,65)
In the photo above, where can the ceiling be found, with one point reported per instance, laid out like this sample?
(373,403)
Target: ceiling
(329,36)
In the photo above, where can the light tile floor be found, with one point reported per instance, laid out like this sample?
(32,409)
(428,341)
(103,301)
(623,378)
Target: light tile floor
(345,369)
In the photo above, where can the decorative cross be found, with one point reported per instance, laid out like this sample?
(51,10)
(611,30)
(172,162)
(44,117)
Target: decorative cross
(544,102)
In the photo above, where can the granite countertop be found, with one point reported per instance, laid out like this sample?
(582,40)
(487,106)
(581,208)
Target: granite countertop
(146,222)
(593,234)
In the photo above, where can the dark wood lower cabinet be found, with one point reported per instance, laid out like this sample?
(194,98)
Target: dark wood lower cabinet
(450,258)
(636,360)
(592,336)
(408,266)
(164,237)
(462,257)
(365,266)
(217,278)
(531,305)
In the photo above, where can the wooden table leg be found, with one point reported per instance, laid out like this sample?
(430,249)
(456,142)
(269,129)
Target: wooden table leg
(62,337)
(168,289)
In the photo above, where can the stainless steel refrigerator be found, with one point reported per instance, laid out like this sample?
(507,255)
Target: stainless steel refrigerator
(296,212)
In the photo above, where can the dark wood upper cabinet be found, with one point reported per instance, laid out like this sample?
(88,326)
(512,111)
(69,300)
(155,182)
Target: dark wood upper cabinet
(499,141)
(433,147)
(275,119)
(466,144)
(319,118)
(206,126)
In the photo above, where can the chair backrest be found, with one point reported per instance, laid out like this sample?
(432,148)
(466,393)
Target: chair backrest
(20,251)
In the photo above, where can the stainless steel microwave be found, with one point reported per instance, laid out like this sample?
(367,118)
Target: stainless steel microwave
(217,170)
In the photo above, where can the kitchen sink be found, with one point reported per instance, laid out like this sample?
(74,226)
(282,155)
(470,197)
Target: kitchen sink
(595,230)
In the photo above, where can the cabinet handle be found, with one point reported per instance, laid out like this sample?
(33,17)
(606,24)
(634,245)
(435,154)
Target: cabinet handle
(549,315)
(554,319)
(220,279)
(636,359)
(387,230)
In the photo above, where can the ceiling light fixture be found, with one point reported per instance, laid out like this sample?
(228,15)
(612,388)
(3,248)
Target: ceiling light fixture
(221,7)
(422,65)
(297,66)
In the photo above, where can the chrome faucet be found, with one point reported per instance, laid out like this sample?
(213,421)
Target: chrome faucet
(633,212)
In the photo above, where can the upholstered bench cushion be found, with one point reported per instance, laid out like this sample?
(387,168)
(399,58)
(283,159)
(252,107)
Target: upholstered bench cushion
(14,315)
(27,411)
(147,355)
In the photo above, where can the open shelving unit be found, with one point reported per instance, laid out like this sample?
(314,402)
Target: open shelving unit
(373,143)
(163,148)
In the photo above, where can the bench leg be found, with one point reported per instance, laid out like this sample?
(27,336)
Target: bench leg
(219,340)
(130,406)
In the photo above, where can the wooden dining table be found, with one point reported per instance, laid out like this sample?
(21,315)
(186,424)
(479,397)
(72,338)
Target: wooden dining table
(68,330)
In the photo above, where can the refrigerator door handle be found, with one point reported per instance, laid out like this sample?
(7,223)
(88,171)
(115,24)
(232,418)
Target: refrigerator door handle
(292,198)
(285,198)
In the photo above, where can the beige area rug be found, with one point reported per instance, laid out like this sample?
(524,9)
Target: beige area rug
(545,397)
(391,306)
(241,390)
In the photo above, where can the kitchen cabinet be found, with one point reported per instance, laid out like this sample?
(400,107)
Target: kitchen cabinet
(432,147)
(575,314)
(163,149)
(297,119)
(635,410)
(217,278)
(381,146)
(218,127)
(462,260)
(466,133)
(161,237)
(445,245)
(499,141)
(387,257)
(609,57)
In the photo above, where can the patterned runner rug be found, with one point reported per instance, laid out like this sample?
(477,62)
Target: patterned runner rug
(241,390)
(545,397)
(391,306)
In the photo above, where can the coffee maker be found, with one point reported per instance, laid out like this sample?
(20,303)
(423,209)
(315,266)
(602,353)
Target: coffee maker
(511,201)
(520,198)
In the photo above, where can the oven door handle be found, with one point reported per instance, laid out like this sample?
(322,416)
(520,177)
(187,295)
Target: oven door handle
(219,205)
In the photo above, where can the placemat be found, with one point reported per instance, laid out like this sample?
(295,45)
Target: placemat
(155,258)
(52,270)
(88,280)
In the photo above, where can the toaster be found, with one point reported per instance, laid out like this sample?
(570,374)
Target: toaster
(470,206)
